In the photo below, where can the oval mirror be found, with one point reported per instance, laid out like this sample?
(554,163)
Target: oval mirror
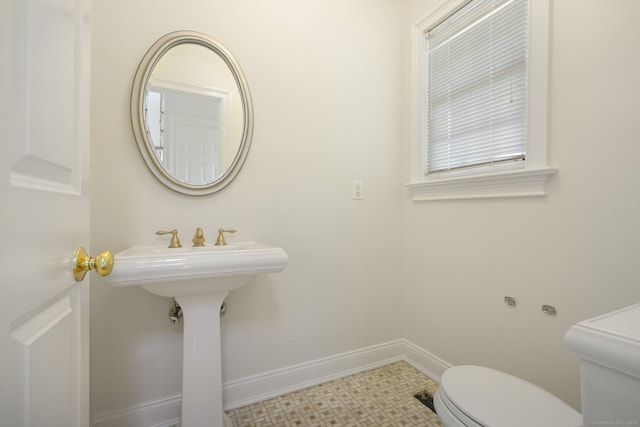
(191,113)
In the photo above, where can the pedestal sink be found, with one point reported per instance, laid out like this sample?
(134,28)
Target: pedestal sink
(199,278)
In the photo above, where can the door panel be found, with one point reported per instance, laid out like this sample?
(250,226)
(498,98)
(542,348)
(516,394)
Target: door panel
(197,156)
(44,74)
(48,342)
(44,121)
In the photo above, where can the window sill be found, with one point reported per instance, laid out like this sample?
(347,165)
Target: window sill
(521,183)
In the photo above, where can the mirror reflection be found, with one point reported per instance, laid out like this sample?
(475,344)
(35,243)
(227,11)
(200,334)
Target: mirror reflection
(193,117)
(191,113)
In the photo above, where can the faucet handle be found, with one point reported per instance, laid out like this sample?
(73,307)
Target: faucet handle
(220,240)
(198,238)
(175,242)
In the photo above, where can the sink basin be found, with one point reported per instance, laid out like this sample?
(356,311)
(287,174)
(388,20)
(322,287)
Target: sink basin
(174,272)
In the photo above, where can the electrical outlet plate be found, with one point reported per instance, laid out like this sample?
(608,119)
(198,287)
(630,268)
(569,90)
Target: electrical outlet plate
(357,190)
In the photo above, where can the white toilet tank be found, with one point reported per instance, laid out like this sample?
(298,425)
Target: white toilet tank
(609,350)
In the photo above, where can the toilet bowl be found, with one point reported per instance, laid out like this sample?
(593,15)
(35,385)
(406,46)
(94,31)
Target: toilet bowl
(475,396)
(608,347)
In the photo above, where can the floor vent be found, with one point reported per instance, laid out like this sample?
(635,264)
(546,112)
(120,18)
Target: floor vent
(426,399)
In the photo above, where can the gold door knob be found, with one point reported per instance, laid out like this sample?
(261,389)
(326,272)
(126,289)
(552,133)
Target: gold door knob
(82,262)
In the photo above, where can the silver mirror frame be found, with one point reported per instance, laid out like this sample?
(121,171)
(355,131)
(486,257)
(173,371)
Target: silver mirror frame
(138,93)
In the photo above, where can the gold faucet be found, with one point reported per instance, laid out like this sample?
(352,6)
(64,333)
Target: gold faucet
(220,241)
(175,242)
(198,238)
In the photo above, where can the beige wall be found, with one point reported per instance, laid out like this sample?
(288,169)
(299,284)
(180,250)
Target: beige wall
(576,249)
(330,85)
(326,79)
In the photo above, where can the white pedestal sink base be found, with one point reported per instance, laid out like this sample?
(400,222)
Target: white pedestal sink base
(202,363)
(199,278)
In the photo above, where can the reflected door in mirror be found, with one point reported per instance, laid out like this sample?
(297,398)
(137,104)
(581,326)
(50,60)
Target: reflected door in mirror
(184,131)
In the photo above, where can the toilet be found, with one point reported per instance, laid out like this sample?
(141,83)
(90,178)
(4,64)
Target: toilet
(475,396)
(608,348)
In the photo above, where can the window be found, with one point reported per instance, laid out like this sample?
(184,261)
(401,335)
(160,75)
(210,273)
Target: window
(480,113)
(475,70)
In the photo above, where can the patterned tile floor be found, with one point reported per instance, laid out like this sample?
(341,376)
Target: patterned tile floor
(379,397)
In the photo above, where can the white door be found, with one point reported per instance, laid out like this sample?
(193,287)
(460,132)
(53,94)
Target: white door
(197,151)
(44,131)
(193,143)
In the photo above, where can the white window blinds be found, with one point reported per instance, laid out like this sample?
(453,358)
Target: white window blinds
(476,86)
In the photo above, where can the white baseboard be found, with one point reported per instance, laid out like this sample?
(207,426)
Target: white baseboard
(427,363)
(256,388)
(160,413)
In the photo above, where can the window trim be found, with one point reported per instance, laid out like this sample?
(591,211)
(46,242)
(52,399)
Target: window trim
(529,177)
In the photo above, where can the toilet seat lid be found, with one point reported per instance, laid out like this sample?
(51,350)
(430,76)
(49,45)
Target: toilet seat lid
(496,399)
